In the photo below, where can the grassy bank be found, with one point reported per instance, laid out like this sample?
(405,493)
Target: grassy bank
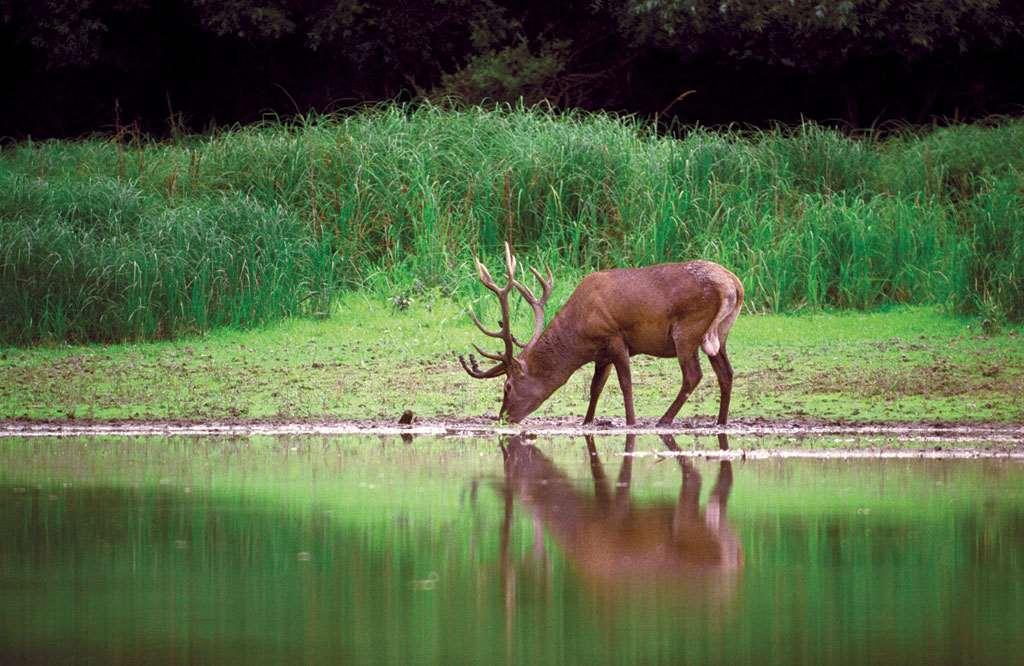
(110,240)
(371,361)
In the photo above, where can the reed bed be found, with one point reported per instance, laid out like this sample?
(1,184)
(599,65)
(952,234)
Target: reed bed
(115,238)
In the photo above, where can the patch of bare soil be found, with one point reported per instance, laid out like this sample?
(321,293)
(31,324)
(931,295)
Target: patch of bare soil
(1008,436)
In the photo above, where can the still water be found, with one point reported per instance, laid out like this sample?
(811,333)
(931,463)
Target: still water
(349,550)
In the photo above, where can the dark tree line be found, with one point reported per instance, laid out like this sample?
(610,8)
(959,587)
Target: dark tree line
(71,67)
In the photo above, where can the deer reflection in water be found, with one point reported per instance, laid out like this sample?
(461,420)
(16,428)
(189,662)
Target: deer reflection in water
(615,544)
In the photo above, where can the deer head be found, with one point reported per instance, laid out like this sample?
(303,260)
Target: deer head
(523,392)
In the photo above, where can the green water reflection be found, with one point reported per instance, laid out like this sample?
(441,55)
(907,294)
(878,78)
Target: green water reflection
(350,550)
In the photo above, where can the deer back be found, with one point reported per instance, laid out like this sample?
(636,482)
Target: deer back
(648,307)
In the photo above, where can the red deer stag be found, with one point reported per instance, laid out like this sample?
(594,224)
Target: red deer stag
(665,310)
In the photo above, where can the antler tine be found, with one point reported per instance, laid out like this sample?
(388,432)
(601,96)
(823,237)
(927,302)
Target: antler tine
(483,329)
(537,304)
(495,334)
(510,262)
(485,277)
(547,285)
(485,354)
(474,370)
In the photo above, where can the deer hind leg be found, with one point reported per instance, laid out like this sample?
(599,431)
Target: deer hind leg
(690,365)
(723,371)
(601,373)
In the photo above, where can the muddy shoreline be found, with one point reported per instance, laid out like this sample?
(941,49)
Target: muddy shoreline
(1010,435)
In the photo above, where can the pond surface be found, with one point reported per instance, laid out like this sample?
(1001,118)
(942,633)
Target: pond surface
(375,550)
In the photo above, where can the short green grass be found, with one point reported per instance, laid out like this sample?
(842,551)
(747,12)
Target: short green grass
(370,360)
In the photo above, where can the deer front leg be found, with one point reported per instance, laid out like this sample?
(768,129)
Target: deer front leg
(601,373)
(602,489)
(686,515)
(622,501)
(620,358)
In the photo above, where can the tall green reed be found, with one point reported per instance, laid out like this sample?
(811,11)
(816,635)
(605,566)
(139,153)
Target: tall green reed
(102,239)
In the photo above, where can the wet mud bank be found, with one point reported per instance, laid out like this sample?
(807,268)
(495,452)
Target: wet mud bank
(805,436)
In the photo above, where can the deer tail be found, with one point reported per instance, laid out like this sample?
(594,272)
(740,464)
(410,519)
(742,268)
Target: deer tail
(728,310)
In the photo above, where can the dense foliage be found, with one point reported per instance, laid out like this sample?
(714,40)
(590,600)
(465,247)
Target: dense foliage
(125,238)
(74,67)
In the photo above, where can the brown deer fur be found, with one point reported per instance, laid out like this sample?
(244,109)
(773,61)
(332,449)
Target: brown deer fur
(668,310)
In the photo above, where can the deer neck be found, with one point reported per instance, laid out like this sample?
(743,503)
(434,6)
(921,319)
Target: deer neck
(556,355)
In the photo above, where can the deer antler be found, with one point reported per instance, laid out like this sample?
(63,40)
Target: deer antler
(504,333)
(474,370)
(536,303)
